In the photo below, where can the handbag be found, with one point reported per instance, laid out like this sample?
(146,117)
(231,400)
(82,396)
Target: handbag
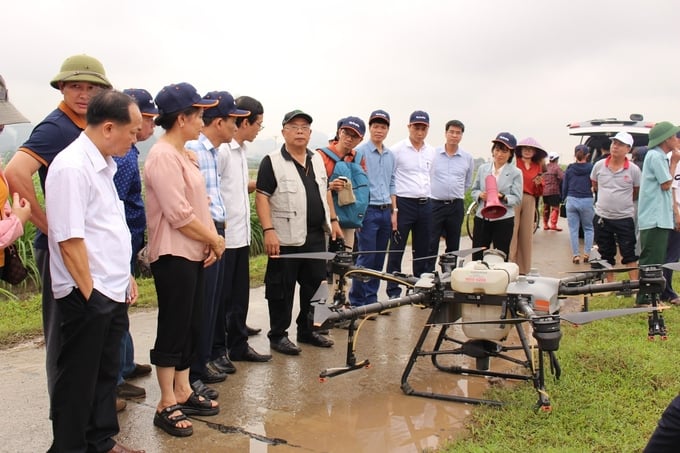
(563,211)
(14,271)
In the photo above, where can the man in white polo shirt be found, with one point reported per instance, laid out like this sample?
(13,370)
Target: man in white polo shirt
(90,251)
(413,162)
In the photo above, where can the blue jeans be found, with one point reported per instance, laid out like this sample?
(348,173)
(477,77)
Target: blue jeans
(580,211)
(374,235)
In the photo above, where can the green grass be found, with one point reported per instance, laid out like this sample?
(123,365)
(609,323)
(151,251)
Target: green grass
(615,384)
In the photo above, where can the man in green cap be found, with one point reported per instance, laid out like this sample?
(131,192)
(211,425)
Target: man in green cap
(80,78)
(655,206)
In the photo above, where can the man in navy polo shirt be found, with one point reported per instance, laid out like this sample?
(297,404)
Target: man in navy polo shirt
(413,157)
(80,78)
(451,178)
(380,218)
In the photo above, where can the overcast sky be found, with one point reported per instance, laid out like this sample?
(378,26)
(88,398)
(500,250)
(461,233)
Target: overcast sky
(524,66)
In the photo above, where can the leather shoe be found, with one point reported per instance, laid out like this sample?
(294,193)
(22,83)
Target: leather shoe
(121,404)
(213,375)
(251,356)
(315,339)
(252,331)
(199,388)
(224,365)
(127,390)
(119,448)
(284,346)
(139,371)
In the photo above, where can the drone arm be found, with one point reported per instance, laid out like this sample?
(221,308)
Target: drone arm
(566,289)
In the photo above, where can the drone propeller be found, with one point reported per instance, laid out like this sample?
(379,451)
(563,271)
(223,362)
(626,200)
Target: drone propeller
(672,266)
(457,253)
(609,269)
(585,317)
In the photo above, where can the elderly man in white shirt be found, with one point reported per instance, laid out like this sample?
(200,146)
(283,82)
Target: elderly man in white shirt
(413,157)
(90,251)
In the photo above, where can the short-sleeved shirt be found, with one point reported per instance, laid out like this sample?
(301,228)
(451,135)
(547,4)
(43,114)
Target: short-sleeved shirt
(175,196)
(655,208)
(380,171)
(232,165)
(82,202)
(412,169)
(451,176)
(48,138)
(266,183)
(207,163)
(615,189)
(129,186)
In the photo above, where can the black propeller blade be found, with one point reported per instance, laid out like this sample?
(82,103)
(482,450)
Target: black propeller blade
(585,317)
(458,253)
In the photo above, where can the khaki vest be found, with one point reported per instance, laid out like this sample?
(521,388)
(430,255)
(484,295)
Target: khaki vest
(288,203)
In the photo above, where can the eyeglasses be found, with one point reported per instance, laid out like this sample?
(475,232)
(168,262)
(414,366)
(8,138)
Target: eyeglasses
(259,125)
(350,134)
(292,127)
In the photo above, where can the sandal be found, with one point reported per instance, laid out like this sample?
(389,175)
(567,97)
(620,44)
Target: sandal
(168,423)
(198,405)
(585,258)
(576,259)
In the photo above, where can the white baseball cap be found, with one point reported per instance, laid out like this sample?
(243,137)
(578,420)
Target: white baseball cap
(625,138)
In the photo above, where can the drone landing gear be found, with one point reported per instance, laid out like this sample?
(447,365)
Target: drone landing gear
(351,363)
(481,351)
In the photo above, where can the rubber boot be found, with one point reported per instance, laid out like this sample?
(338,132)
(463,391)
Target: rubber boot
(554,215)
(546,215)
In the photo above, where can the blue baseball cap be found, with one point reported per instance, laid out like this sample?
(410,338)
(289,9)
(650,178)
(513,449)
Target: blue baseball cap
(226,106)
(419,117)
(379,115)
(180,96)
(355,123)
(506,138)
(144,101)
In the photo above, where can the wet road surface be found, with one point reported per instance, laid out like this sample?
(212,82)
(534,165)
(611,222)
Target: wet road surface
(281,406)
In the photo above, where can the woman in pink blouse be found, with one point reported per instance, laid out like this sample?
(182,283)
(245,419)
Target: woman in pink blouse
(14,217)
(182,241)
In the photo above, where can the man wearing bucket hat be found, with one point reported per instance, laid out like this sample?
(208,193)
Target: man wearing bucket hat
(655,208)
(79,79)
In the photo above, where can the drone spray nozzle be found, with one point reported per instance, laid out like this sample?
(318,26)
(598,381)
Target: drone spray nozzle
(547,332)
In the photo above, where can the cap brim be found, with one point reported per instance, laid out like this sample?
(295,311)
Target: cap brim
(350,127)
(419,122)
(377,117)
(502,143)
(206,103)
(240,113)
(299,115)
(10,115)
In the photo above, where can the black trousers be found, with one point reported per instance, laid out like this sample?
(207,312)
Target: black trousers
(179,288)
(84,395)
(237,296)
(280,279)
(497,232)
(447,220)
(666,437)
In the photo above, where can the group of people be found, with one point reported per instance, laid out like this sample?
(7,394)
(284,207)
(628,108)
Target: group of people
(196,216)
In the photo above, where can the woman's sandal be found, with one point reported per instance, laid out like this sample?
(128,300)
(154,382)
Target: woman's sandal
(168,423)
(198,405)
(576,259)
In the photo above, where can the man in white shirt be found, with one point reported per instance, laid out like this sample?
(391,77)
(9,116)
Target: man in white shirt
(235,185)
(90,251)
(413,162)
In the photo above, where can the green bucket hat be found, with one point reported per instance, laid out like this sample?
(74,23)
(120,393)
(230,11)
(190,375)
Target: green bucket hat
(81,68)
(660,132)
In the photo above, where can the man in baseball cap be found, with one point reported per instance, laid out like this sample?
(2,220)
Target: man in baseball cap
(129,186)
(80,78)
